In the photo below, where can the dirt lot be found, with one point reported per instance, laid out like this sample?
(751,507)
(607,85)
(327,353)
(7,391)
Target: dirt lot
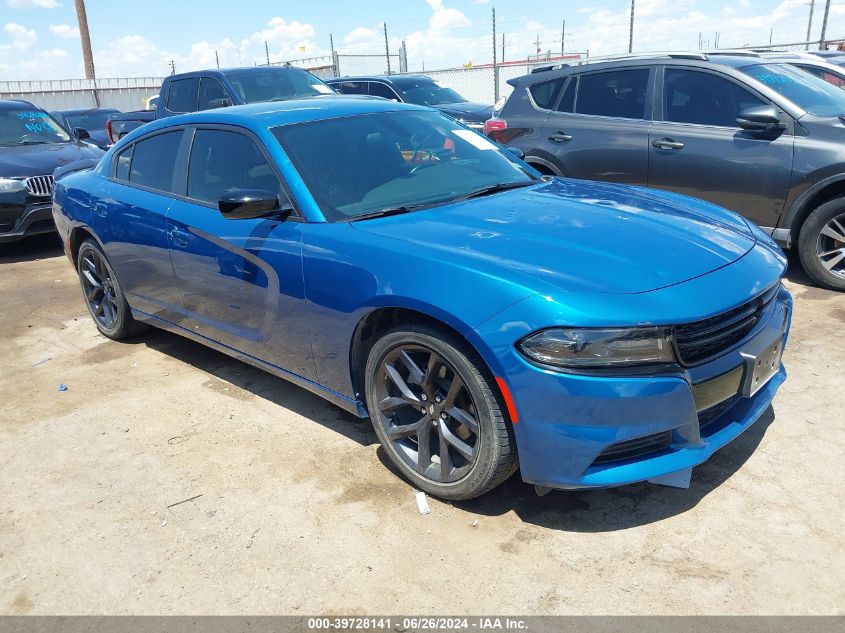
(296,512)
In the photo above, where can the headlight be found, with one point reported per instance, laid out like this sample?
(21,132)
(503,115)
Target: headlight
(582,347)
(11,185)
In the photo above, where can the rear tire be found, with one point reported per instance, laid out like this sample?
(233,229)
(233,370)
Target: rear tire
(103,295)
(436,413)
(821,245)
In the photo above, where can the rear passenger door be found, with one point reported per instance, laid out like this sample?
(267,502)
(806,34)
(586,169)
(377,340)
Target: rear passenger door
(129,218)
(241,280)
(599,127)
(698,148)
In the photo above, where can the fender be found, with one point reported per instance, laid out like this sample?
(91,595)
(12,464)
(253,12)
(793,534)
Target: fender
(533,159)
(786,231)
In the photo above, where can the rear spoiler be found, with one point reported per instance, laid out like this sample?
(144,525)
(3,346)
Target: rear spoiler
(512,82)
(78,165)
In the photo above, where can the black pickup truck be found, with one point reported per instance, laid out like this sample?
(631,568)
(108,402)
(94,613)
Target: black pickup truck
(208,89)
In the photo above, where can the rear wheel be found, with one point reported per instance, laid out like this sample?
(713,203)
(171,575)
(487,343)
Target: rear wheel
(436,414)
(821,245)
(103,294)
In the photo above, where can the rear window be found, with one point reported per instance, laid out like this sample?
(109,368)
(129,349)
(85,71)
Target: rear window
(545,94)
(618,93)
(153,161)
(183,95)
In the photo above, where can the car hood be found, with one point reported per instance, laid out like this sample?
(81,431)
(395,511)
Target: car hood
(41,160)
(577,236)
(467,110)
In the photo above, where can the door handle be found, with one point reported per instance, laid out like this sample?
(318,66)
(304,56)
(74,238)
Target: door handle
(667,143)
(179,238)
(560,137)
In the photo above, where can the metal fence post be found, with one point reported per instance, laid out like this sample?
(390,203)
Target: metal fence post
(335,64)
(495,65)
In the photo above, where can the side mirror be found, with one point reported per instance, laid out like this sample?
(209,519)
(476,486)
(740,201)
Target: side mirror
(515,151)
(760,119)
(249,204)
(81,133)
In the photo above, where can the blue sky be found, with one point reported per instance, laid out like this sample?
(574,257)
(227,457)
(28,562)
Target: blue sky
(39,40)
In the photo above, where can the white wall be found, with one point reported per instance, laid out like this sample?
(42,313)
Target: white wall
(125,94)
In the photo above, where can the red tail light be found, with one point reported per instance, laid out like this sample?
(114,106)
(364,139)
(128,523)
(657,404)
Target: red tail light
(108,131)
(494,125)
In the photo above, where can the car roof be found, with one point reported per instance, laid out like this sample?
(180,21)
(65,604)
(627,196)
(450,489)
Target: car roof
(222,72)
(272,114)
(391,79)
(85,110)
(9,104)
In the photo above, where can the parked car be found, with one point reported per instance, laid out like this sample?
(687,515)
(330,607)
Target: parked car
(32,146)
(403,266)
(92,120)
(419,90)
(831,73)
(152,103)
(757,136)
(209,89)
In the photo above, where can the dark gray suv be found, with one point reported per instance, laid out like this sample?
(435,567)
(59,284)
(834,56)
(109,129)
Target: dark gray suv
(754,135)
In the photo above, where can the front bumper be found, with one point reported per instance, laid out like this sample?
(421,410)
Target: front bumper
(590,431)
(22,220)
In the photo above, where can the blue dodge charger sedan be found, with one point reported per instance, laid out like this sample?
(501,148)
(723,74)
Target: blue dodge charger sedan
(407,269)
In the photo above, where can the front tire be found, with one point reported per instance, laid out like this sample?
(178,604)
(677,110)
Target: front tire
(821,245)
(436,413)
(102,293)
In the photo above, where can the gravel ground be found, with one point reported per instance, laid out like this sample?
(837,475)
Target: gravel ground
(293,509)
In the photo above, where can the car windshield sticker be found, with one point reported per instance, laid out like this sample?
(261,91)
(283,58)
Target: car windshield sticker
(474,139)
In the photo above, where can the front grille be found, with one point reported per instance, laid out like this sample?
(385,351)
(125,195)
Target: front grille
(40,185)
(703,339)
(631,449)
(707,417)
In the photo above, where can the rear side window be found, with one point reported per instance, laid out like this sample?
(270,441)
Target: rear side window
(691,96)
(153,160)
(378,89)
(183,94)
(619,93)
(567,101)
(122,161)
(545,94)
(222,160)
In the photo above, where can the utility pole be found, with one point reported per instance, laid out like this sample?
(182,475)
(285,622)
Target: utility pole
(699,40)
(824,24)
(771,35)
(537,46)
(267,52)
(810,24)
(85,37)
(217,58)
(503,47)
(172,65)
(562,38)
(631,34)
(495,67)
(386,48)
(716,45)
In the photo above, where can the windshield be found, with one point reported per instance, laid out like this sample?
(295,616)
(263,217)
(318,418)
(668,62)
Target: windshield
(426,92)
(809,93)
(90,121)
(363,164)
(29,126)
(276,84)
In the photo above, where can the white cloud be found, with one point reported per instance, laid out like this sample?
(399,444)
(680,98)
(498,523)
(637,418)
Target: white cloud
(21,36)
(33,4)
(64,31)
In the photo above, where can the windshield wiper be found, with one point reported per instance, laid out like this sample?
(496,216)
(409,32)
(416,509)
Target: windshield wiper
(502,186)
(383,213)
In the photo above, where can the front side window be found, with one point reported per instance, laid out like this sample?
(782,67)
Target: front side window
(153,159)
(378,89)
(809,93)
(618,93)
(427,92)
(182,96)
(222,160)
(699,98)
(363,164)
(28,125)
(212,94)
(545,94)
